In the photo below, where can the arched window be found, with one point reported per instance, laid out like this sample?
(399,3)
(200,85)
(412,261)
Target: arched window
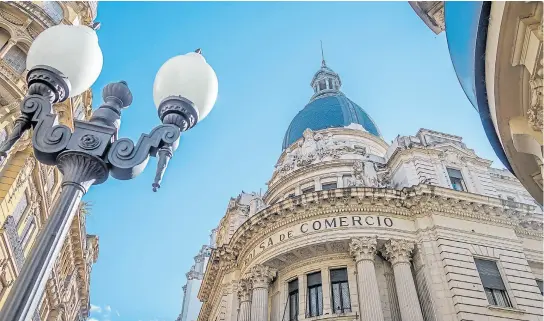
(53,10)
(4,38)
(16,58)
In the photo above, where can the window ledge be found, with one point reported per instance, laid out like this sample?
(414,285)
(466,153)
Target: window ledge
(505,309)
(334,316)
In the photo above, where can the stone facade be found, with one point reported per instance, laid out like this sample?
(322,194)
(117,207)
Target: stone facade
(512,110)
(28,189)
(353,228)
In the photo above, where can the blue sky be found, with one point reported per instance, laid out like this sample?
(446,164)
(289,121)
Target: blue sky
(265,55)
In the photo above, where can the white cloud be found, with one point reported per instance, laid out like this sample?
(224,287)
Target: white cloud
(92,319)
(95,309)
(117,312)
(107,308)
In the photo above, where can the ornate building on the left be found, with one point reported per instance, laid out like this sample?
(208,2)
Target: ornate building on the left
(28,189)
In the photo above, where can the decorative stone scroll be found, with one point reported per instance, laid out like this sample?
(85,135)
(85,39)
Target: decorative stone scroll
(261,276)
(398,251)
(363,248)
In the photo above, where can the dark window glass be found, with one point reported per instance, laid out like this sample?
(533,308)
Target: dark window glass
(492,282)
(308,190)
(293,300)
(321,84)
(328,186)
(315,295)
(330,83)
(539,284)
(456,179)
(340,291)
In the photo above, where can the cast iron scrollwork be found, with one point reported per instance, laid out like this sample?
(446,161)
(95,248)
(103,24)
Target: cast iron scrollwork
(127,160)
(49,138)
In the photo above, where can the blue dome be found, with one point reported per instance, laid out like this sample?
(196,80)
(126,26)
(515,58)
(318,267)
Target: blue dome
(329,111)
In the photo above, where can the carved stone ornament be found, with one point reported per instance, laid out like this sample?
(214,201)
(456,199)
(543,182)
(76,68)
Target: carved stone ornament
(226,257)
(315,147)
(363,248)
(398,251)
(244,290)
(261,276)
(535,112)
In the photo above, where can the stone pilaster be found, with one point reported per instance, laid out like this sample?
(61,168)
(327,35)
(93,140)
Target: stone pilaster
(398,253)
(244,296)
(392,292)
(260,277)
(364,251)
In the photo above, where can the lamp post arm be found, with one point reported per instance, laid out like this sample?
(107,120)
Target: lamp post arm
(46,86)
(127,160)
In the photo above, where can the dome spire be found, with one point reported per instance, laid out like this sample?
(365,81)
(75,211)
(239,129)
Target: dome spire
(323,64)
(325,80)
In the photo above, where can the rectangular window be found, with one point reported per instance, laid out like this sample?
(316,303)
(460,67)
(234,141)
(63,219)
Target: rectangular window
(340,291)
(492,282)
(310,189)
(539,284)
(330,83)
(456,180)
(315,295)
(322,85)
(20,208)
(293,300)
(328,186)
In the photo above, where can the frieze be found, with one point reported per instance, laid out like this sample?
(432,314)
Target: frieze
(318,225)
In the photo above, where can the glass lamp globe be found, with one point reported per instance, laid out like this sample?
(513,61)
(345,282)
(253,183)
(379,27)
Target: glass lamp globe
(190,77)
(72,50)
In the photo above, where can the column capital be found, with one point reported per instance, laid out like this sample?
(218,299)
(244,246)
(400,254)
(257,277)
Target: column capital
(363,248)
(261,276)
(398,251)
(244,290)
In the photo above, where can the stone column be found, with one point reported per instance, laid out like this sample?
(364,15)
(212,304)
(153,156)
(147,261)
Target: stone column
(398,253)
(326,287)
(244,296)
(364,251)
(392,292)
(260,276)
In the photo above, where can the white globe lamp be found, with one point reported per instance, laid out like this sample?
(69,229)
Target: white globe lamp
(188,77)
(72,50)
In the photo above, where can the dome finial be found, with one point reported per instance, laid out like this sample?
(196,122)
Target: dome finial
(323,64)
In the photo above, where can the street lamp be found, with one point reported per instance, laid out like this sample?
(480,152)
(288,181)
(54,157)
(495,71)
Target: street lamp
(63,61)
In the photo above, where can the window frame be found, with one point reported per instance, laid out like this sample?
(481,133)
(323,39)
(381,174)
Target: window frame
(541,285)
(510,304)
(462,179)
(319,298)
(324,188)
(343,309)
(291,316)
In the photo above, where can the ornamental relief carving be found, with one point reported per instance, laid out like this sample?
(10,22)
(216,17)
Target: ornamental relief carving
(535,112)
(315,147)
(398,251)
(363,248)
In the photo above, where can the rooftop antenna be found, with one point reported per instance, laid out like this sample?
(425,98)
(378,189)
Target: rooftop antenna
(323,64)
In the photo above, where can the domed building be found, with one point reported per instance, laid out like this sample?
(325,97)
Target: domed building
(354,228)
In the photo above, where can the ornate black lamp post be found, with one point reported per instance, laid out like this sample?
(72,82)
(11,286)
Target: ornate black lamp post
(63,61)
